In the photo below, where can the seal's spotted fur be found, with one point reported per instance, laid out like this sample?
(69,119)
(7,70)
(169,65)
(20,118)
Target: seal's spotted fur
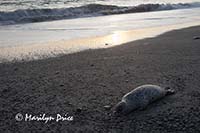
(140,97)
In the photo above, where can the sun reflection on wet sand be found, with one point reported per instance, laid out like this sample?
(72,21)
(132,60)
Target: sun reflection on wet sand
(52,49)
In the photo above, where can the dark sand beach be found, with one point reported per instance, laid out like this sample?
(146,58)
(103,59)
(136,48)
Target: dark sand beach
(81,84)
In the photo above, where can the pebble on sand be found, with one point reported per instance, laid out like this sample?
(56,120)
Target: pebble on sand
(15,69)
(61,85)
(107,107)
(78,110)
(57,72)
(196,37)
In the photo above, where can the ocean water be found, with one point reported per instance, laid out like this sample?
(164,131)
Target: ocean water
(27,11)
(28,29)
(11,5)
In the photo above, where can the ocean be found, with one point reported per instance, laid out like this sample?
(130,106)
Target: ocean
(27,11)
(37,29)
(12,5)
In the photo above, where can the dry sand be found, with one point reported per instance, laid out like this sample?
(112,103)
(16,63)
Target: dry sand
(92,79)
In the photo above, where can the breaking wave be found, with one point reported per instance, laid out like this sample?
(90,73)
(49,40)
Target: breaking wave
(39,15)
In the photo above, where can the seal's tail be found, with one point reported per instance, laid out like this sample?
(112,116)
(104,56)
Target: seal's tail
(169,91)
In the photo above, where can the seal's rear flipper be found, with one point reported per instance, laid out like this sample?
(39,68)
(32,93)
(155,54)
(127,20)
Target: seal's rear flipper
(169,91)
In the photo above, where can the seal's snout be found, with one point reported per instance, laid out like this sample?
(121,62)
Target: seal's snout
(119,108)
(116,114)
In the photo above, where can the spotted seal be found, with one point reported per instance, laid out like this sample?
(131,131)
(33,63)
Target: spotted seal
(140,97)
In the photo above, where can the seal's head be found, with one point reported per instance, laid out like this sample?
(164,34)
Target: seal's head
(120,108)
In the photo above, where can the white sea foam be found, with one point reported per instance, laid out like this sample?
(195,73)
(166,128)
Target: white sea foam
(47,14)
(12,5)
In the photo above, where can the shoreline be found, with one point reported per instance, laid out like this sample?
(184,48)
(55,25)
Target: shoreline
(82,83)
(51,49)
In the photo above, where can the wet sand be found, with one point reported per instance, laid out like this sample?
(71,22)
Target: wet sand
(81,84)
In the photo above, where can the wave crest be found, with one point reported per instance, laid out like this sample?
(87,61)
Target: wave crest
(39,15)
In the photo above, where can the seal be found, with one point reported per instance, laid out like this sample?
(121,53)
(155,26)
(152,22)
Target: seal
(140,97)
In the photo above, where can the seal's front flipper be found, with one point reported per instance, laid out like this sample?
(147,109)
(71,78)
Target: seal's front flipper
(169,91)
